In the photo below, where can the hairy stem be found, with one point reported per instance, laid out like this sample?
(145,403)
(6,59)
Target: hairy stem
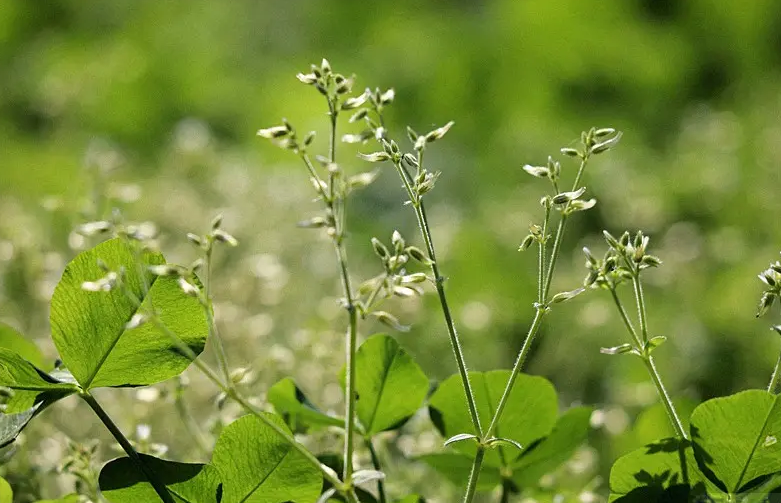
(474,474)
(775,379)
(665,397)
(455,341)
(519,361)
(131,452)
(648,360)
(638,286)
(208,307)
(377,466)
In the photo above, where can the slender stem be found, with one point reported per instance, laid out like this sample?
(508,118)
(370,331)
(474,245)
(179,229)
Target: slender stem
(455,342)
(248,407)
(649,363)
(158,486)
(474,474)
(638,286)
(377,466)
(337,205)
(439,281)
(189,420)
(554,255)
(625,317)
(349,389)
(668,403)
(208,307)
(541,258)
(519,361)
(775,379)
(505,498)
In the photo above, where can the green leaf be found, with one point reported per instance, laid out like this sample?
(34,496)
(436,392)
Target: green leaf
(89,328)
(455,467)
(665,471)
(738,437)
(259,466)
(30,384)
(71,498)
(6,494)
(389,385)
(529,415)
(14,341)
(290,401)
(570,432)
(122,482)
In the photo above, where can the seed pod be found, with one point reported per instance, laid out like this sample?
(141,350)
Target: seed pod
(526,243)
(617,350)
(375,157)
(538,171)
(308,78)
(565,296)
(566,197)
(380,249)
(571,152)
(439,132)
(417,254)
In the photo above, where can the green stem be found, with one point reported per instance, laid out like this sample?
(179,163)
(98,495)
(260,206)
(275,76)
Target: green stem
(665,397)
(519,361)
(455,342)
(638,286)
(248,407)
(649,363)
(474,474)
(775,379)
(208,307)
(349,388)
(625,317)
(377,466)
(158,486)
(189,421)
(505,498)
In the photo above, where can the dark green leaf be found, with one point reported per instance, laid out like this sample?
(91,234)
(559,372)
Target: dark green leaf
(11,425)
(122,482)
(259,466)
(530,413)
(14,341)
(738,437)
(290,401)
(456,467)
(89,328)
(28,382)
(665,471)
(570,432)
(389,385)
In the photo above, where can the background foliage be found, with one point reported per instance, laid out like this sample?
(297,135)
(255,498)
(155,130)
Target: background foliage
(155,105)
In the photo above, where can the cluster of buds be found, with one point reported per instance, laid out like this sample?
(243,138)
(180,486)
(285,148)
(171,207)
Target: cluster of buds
(771,277)
(326,81)
(624,259)
(215,235)
(566,202)
(394,281)
(593,142)
(284,136)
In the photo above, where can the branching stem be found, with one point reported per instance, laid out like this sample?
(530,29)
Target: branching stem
(131,452)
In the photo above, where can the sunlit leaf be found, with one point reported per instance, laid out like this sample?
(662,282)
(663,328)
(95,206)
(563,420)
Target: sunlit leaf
(390,387)
(90,328)
(258,466)
(738,437)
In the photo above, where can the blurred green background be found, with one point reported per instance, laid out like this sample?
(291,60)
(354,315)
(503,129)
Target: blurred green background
(153,107)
